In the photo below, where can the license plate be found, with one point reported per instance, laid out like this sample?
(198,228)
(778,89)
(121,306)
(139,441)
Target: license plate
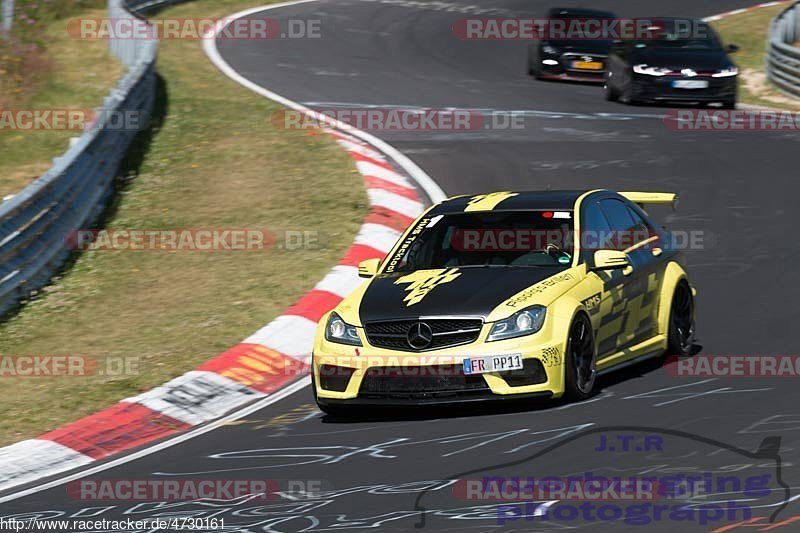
(690,84)
(587,65)
(492,363)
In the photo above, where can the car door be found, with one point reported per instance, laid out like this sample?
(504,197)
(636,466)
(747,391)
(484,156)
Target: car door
(603,297)
(628,321)
(647,251)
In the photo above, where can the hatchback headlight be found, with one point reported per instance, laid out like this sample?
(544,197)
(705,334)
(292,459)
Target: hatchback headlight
(651,71)
(726,73)
(525,322)
(337,330)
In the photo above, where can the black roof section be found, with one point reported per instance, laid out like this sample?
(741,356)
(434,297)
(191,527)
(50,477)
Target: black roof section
(520,201)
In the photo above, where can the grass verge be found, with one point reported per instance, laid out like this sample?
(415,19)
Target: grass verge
(58,72)
(749,30)
(215,161)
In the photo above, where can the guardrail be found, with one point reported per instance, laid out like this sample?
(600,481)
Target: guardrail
(35,225)
(783,57)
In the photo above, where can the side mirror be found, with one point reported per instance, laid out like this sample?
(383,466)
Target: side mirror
(368,268)
(610,260)
(731,49)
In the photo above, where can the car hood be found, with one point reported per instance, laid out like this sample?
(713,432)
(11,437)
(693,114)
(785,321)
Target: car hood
(472,291)
(677,59)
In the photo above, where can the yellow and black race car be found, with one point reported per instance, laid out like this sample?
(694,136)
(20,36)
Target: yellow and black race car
(508,295)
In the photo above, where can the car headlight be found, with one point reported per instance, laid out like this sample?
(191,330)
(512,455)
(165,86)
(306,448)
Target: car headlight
(525,322)
(726,72)
(337,330)
(651,71)
(550,50)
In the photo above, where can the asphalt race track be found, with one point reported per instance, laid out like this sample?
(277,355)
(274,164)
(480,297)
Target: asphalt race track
(390,472)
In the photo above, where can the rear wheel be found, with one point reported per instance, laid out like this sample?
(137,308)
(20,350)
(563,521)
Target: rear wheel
(580,365)
(681,321)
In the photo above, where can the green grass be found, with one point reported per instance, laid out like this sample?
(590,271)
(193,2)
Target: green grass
(67,73)
(749,30)
(216,162)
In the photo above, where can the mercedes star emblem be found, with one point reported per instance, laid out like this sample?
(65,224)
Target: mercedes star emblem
(420,336)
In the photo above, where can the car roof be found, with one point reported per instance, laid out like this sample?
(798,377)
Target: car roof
(510,201)
(663,21)
(578,12)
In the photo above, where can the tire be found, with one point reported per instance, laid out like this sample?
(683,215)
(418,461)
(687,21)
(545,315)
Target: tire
(580,372)
(680,338)
(629,96)
(730,104)
(610,94)
(531,69)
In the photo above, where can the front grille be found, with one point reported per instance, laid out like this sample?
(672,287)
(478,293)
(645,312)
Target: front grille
(420,382)
(393,335)
(531,373)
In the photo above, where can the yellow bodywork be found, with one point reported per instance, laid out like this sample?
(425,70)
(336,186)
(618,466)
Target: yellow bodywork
(616,313)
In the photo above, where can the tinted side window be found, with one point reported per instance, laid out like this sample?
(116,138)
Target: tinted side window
(625,229)
(595,231)
(642,231)
(618,215)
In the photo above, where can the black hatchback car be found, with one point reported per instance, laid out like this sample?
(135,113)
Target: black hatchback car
(684,61)
(576,58)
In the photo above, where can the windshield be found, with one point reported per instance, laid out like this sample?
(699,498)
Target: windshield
(682,35)
(516,239)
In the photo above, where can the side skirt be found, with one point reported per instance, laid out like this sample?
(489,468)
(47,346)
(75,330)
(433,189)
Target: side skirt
(645,350)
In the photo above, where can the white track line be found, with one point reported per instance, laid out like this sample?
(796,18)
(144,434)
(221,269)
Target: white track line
(431,188)
(261,404)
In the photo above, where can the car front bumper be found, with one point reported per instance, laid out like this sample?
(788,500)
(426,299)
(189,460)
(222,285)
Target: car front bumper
(660,89)
(386,377)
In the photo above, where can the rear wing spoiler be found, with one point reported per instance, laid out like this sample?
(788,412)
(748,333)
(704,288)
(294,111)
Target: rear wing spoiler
(652,198)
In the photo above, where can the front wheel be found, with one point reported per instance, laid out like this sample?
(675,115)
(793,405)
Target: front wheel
(609,92)
(681,321)
(580,364)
